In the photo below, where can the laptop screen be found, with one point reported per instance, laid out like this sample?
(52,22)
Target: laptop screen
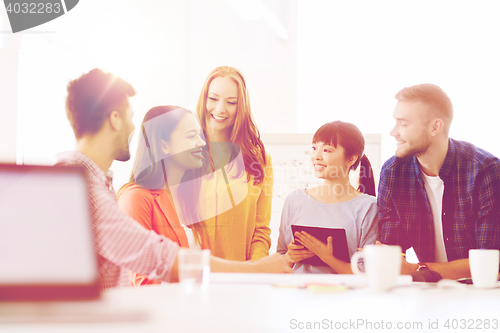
(45,228)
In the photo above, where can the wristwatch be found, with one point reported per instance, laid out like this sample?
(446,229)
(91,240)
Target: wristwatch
(424,274)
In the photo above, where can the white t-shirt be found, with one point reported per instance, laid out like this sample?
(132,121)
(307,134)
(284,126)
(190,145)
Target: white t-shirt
(190,237)
(434,186)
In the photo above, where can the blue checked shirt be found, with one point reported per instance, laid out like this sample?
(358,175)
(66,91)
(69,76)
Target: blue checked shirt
(471,203)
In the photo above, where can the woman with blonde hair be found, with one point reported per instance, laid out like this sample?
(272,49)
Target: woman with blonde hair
(239,231)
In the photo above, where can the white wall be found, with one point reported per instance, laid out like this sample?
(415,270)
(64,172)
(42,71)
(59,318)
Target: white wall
(343,60)
(218,37)
(9,66)
(354,56)
(165,49)
(8,104)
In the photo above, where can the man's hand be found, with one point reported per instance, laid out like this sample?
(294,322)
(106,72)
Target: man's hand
(297,252)
(406,267)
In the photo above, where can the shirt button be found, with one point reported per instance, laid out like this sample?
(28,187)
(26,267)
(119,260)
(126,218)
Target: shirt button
(446,239)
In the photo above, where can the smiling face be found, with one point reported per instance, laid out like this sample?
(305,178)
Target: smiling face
(330,162)
(185,144)
(411,131)
(222,105)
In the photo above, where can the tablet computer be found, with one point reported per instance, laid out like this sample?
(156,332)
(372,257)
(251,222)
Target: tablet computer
(339,242)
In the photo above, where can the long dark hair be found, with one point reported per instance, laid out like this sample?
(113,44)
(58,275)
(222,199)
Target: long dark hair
(350,137)
(149,170)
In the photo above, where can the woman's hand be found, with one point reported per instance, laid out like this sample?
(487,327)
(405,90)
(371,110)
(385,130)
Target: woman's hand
(274,263)
(297,252)
(323,251)
(317,247)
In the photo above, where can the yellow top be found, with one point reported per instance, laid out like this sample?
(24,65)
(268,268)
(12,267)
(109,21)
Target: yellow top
(239,213)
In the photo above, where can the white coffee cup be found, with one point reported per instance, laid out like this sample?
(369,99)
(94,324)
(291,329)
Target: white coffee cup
(483,266)
(194,268)
(382,265)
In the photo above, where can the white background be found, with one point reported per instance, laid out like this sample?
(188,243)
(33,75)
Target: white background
(342,60)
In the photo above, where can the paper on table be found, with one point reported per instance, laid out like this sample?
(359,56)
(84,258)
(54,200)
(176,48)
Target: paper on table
(354,281)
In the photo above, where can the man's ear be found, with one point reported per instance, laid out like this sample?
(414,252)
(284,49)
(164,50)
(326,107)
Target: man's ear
(115,120)
(436,126)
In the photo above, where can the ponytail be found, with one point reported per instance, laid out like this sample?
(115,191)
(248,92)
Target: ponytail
(366,180)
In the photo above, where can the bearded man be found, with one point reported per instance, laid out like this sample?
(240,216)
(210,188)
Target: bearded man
(438,195)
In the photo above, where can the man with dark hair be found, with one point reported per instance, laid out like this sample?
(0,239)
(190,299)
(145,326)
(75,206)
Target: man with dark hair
(92,97)
(98,109)
(95,98)
(438,195)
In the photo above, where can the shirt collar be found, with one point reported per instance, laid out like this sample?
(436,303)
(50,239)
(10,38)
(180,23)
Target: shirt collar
(447,167)
(73,156)
(416,167)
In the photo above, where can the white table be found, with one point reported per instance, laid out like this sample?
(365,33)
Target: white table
(228,306)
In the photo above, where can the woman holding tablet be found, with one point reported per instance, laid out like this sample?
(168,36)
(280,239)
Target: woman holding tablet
(240,229)
(337,148)
(163,191)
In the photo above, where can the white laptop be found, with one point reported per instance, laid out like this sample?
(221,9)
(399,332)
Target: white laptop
(46,240)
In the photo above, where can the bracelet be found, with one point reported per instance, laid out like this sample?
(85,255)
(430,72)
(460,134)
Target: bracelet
(421,266)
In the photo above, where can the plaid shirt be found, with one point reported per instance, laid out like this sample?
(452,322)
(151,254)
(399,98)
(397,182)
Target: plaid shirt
(471,203)
(120,242)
